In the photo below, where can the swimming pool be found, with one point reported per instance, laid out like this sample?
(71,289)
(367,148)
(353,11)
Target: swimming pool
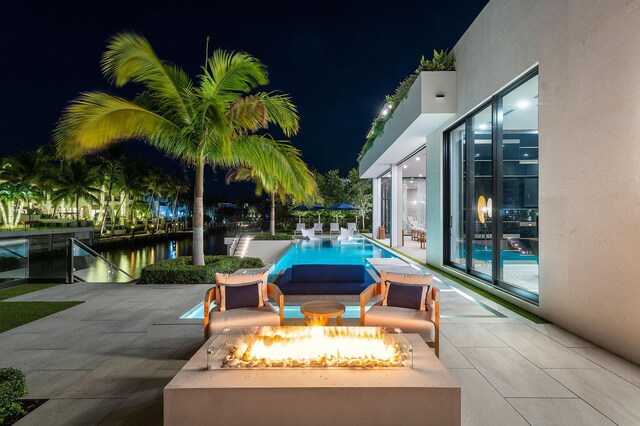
(327,251)
(331,252)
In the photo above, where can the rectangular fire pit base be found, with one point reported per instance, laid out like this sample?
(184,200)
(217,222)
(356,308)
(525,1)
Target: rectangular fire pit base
(426,394)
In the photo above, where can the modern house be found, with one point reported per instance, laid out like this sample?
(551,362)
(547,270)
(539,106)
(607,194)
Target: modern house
(523,164)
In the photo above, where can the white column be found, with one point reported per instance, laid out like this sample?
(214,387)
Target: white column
(377,207)
(396,206)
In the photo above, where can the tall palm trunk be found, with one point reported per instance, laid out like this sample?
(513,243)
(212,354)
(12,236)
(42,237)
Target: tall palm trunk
(107,206)
(149,215)
(273,214)
(198,218)
(77,211)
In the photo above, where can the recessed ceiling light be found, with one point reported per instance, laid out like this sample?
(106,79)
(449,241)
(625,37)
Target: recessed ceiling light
(483,126)
(523,104)
(417,158)
(405,166)
(420,175)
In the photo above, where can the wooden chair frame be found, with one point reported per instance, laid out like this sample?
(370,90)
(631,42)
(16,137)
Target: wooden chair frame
(272,291)
(376,290)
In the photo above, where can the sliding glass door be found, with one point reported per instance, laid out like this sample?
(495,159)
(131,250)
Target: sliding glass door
(491,174)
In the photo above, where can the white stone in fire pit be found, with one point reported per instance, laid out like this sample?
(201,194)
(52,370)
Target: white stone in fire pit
(425,394)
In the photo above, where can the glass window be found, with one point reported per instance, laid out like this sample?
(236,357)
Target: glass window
(414,193)
(519,242)
(385,196)
(457,166)
(475,213)
(482,241)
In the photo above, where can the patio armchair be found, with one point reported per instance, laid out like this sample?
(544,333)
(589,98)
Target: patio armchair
(426,322)
(299,229)
(215,320)
(334,228)
(317,228)
(352,227)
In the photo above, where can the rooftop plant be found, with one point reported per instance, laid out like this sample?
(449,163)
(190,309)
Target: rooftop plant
(441,61)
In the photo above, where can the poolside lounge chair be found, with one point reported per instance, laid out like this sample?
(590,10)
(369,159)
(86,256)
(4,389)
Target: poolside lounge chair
(317,228)
(299,229)
(345,235)
(391,311)
(334,228)
(309,233)
(352,227)
(216,318)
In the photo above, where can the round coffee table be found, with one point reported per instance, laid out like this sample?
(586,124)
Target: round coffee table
(318,312)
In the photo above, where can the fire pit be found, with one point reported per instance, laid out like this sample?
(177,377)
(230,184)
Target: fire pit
(310,347)
(219,385)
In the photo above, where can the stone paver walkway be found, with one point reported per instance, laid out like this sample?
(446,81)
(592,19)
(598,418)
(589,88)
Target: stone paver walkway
(106,361)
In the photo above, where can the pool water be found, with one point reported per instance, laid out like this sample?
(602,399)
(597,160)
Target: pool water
(290,311)
(330,252)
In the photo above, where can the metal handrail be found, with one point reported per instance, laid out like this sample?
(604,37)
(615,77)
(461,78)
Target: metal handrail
(234,244)
(92,252)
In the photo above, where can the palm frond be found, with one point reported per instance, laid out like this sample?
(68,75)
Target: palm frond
(281,111)
(129,57)
(96,120)
(227,75)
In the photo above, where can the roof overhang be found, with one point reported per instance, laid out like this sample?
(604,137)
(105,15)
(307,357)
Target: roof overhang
(431,102)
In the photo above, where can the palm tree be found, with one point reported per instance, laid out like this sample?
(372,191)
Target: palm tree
(302,185)
(14,195)
(30,168)
(154,183)
(77,180)
(177,185)
(212,122)
(131,187)
(111,162)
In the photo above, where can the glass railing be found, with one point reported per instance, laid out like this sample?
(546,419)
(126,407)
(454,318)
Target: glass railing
(14,259)
(86,265)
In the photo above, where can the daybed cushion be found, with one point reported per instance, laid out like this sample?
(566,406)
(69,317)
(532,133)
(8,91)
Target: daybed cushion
(327,273)
(408,320)
(235,279)
(242,317)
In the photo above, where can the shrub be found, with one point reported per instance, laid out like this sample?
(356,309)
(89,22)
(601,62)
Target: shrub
(365,231)
(12,388)
(181,271)
(265,237)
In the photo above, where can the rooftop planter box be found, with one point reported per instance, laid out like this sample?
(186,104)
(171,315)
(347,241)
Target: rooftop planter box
(431,101)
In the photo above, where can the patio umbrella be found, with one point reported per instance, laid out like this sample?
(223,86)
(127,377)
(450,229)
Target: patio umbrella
(343,207)
(303,208)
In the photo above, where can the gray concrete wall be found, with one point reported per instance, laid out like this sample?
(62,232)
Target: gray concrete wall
(588,53)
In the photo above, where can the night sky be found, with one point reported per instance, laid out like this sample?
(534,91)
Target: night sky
(337,60)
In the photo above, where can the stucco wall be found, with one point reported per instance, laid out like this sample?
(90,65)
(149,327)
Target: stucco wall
(588,53)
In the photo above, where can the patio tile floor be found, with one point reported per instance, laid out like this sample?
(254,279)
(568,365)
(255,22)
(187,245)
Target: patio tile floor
(106,361)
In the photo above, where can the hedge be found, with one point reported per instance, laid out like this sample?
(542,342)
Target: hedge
(181,271)
(265,237)
(12,388)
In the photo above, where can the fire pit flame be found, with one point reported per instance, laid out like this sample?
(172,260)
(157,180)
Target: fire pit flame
(303,347)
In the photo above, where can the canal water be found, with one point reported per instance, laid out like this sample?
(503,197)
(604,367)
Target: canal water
(130,259)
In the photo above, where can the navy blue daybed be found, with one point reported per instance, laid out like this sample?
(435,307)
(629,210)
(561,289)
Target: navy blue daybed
(324,279)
